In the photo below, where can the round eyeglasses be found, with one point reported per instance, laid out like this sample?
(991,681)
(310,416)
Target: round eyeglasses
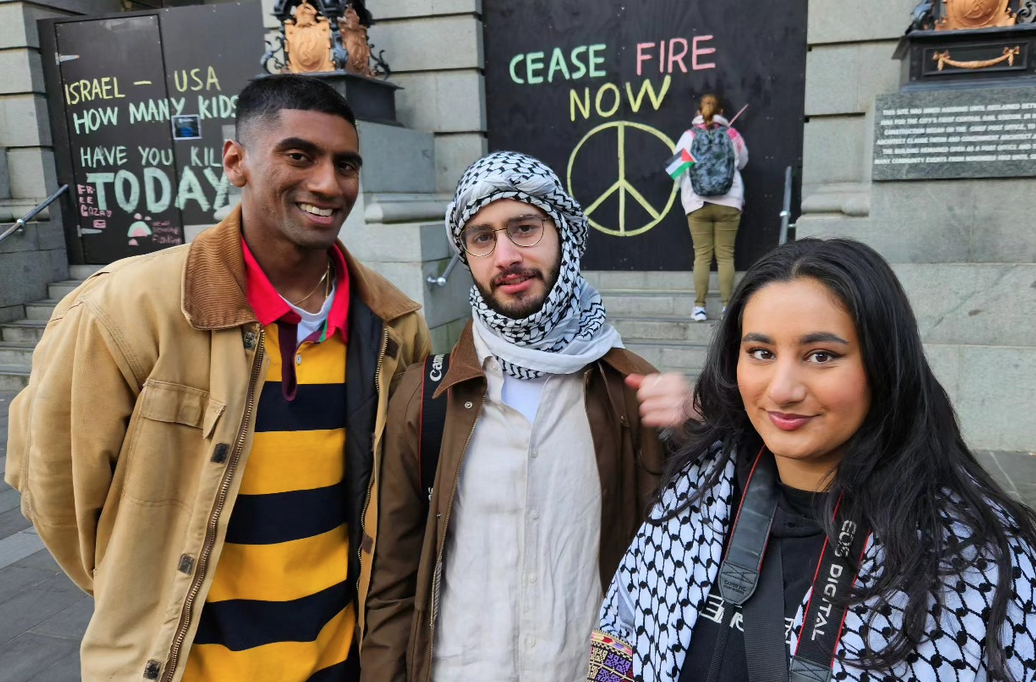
(523,231)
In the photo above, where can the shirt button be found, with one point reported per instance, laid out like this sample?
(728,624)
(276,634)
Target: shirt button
(535,516)
(298,359)
(535,453)
(531,643)
(468,405)
(532,577)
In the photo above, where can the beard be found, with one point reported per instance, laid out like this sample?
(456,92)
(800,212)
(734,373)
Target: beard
(525,304)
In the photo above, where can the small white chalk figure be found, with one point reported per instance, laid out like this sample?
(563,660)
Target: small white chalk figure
(138,228)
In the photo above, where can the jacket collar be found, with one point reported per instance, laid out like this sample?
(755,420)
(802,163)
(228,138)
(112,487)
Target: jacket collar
(214,281)
(464,364)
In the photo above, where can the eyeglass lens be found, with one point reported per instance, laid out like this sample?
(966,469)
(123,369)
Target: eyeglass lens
(524,231)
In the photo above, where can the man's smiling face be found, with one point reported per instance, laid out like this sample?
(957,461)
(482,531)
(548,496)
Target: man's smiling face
(300,174)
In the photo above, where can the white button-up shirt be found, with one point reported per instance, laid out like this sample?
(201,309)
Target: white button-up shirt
(521,587)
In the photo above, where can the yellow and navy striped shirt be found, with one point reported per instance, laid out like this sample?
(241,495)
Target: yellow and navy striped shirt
(281,606)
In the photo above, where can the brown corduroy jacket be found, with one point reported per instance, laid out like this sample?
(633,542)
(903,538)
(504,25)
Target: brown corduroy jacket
(129,444)
(408,557)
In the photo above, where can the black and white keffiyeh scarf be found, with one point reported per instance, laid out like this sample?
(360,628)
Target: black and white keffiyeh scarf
(570,330)
(668,571)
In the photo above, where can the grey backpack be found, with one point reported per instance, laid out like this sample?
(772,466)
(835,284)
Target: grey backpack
(712,173)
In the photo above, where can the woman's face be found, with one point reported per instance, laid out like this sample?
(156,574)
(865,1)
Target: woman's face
(801,376)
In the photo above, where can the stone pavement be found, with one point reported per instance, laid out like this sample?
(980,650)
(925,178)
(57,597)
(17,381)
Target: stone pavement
(43,615)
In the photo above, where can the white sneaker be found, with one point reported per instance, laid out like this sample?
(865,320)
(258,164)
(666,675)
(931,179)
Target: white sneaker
(698,314)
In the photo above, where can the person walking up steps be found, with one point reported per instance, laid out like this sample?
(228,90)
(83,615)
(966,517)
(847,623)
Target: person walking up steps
(713,195)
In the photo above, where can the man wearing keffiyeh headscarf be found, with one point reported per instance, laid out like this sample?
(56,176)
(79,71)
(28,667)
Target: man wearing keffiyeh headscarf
(546,466)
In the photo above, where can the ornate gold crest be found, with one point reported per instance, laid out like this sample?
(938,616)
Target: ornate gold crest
(308,41)
(354,40)
(965,14)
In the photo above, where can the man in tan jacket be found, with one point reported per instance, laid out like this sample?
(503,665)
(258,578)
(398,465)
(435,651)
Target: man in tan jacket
(195,446)
(546,468)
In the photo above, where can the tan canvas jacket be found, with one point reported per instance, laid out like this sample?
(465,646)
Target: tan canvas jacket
(129,443)
(408,557)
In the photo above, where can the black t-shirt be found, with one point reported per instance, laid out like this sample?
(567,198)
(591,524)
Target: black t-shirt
(799,539)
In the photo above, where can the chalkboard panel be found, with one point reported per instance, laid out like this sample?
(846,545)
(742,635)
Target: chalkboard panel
(108,67)
(210,54)
(601,92)
(139,102)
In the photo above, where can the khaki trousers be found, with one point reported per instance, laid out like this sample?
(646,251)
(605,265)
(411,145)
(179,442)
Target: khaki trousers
(713,230)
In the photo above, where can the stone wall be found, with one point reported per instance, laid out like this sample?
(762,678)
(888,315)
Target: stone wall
(964,249)
(396,226)
(435,50)
(849,62)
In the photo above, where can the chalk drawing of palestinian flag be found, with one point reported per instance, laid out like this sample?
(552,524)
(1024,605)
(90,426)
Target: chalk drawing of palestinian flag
(679,163)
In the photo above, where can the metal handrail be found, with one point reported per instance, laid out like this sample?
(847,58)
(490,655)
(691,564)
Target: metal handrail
(440,281)
(19,225)
(786,210)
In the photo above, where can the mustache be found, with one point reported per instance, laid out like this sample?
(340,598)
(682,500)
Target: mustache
(320,200)
(515,271)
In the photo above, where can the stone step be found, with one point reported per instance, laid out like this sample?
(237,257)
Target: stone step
(81,272)
(18,354)
(675,280)
(40,310)
(22,331)
(688,358)
(659,329)
(58,290)
(677,304)
(13,377)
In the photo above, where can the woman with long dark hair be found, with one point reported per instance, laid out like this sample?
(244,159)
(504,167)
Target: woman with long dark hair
(825,513)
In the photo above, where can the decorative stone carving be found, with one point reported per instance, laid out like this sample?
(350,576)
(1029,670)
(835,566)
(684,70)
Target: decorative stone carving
(354,42)
(308,41)
(1008,55)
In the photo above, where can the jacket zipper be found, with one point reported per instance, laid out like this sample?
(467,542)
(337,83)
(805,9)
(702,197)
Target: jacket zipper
(370,483)
(437,569)
(221,498)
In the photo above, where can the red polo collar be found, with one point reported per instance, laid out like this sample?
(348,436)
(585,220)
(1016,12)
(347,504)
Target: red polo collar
(269,307)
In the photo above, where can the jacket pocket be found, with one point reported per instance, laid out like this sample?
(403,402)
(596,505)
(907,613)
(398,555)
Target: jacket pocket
(169,442)
(177,404)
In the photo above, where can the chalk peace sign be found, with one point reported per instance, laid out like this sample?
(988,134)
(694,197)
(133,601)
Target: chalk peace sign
(621,185)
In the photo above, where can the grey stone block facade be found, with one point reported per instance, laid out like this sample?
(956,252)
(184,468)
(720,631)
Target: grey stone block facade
(435,50)
(964,249)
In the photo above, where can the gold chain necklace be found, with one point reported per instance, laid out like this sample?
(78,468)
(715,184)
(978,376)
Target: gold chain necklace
(325,278)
